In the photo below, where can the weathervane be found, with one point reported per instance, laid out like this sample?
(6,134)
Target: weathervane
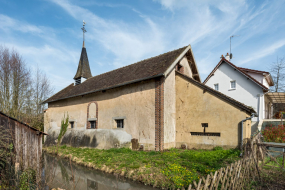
(83,29)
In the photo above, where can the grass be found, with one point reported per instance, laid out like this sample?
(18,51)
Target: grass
(175,168)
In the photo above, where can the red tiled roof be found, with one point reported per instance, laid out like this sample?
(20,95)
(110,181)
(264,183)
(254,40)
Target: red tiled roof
(252,70)
(223,60)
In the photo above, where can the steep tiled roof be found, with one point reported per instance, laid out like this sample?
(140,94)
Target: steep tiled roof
(268,76)
(145,69)
(83,69)
(223,60)
(219,94)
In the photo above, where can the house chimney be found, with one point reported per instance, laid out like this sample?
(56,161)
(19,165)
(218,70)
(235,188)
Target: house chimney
(228,57)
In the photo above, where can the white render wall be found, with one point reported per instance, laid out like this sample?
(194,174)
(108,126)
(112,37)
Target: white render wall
(259,77)
(265,83)
(246,92)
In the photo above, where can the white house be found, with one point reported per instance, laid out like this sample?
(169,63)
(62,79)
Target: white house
(244,85)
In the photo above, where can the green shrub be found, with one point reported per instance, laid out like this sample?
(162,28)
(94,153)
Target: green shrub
(63,128)
(217,148)
(28,179)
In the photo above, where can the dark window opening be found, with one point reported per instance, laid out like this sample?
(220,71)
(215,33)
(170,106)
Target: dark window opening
(205,134)
(180,68)
(120,123)
(71,124)
(93,124)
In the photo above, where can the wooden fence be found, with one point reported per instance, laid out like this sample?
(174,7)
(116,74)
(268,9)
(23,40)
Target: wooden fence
(235,176)
(273,155)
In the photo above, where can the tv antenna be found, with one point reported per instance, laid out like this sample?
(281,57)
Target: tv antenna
(231,55)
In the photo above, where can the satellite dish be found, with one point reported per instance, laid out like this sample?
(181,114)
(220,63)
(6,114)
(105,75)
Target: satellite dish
(231,56)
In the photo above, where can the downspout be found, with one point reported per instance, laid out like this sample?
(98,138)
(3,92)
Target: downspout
(252,116)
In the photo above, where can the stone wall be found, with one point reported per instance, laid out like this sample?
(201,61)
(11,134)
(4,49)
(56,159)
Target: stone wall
(195,106)
(169,104)
(94,138)
(135,103)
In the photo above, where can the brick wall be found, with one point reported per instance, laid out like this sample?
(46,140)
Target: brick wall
(159,114)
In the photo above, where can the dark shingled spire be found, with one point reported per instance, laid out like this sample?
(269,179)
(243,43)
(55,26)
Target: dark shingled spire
(83,66)
(83,69)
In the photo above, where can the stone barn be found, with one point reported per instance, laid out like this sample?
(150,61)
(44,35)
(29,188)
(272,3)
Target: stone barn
(159,101)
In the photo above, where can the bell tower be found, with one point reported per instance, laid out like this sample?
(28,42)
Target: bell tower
(83,70)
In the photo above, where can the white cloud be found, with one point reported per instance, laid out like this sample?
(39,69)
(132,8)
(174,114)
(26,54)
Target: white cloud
(8,23)
(206,25)
(128,42)
(263,52)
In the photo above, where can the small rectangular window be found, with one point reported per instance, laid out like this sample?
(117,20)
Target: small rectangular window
(92,124)
(71,124)
(120,123)
(233,84)
(216,87)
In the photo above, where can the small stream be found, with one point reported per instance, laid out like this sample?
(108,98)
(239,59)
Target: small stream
(58,173)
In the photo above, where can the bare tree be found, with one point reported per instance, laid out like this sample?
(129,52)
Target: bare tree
(41,91)
(277,71)
(14,77)
(22,91)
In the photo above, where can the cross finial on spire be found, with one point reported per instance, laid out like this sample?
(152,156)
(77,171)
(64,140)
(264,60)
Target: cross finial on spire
(83,29)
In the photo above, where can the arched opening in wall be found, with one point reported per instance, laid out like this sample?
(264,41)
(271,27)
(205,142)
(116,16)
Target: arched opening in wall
(92,115)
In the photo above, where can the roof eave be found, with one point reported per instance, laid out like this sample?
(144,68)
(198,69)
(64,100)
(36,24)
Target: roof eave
(195,64)
(45,101)
(271,80)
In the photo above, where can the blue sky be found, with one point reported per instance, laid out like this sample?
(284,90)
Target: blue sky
(47,33)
